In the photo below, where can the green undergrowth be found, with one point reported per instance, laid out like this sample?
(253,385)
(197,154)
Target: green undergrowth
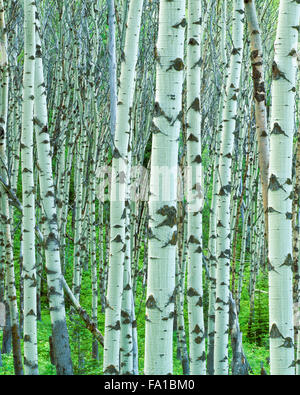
(81,339)
(255,343)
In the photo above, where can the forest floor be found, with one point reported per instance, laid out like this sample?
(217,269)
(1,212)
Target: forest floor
(256,350)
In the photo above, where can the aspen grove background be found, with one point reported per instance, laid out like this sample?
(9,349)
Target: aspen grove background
(149,187)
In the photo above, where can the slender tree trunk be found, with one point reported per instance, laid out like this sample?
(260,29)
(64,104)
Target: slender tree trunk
(163,189)
(94,268)
(89,322)
(6,220)
(239,364)
(213,209)
(296,222)
(223,201)
(79,218)
(28,194)
(180,293)
(260,102)
(280,187)
(194,193)
(7,333)
(118,191)
(297,321)
(135,350)
(126,355)
(112,66)
(51,242)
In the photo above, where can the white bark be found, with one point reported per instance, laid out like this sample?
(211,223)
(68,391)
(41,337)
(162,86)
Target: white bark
(280,187)
(50,228)
(7,242)
(213,208)
(163,189)
(28,194)
(118,191)
(112,66)
(259,100)
(126,345)
(223,200)
(194,193)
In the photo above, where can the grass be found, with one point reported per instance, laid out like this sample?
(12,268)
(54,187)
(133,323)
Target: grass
(256,347)
(81,339)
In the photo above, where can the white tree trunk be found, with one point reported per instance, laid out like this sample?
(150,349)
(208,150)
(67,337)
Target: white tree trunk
(6,222)
(118,191)
(223,200)
(213,208)
(194,193)
(280,187)
(259,100)
(28,194)
(163,189)
(53,269)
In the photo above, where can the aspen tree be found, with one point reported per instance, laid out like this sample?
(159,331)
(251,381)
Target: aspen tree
(163,189)
(7,242)
(83,314)
(118,191)
(79,217)
(126,355)
(180,285)
(101,250)
(112,66)
(2,248)
(249,175)
(284,69)
(194,193)
(135,350)
(78,233)
(297,322)
(213,208)
(259,100)
(65,201)
(296,249)
(92,209)
(296,217)
(237,192)
(223,198)
(93,239)
(28,194)
(60,335)
(14,140)
(254,265)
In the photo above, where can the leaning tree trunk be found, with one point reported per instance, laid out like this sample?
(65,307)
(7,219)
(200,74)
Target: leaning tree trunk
(163,189)
(60,335)
(118,191)
(260,102)
(28,194)
(280,190)
(223,198)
